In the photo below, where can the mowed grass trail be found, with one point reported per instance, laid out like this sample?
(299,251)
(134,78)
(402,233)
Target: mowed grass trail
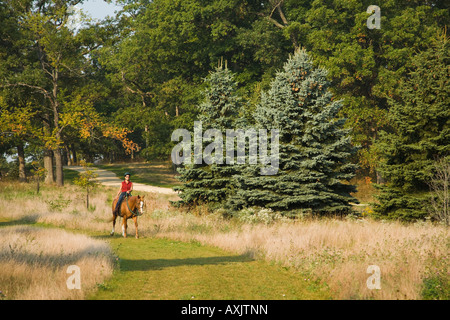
(170,270)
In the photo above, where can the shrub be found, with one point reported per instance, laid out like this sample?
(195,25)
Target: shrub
(258,215)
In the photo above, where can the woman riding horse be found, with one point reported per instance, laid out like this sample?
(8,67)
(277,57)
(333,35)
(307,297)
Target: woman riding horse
(125,190)
(134,206)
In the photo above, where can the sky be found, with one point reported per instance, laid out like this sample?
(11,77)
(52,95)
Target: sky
(98,9)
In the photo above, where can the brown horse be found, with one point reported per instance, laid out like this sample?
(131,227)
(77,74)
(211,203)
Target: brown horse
(136,204)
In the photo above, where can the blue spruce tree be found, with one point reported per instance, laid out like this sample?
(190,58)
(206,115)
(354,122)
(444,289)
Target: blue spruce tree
(203,181)
(314,147)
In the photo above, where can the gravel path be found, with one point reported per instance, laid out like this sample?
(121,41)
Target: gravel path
(110,179)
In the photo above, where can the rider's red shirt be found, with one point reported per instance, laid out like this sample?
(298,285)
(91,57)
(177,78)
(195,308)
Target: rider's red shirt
(126,186)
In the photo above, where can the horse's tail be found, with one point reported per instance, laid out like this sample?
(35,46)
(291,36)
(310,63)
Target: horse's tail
(114,215)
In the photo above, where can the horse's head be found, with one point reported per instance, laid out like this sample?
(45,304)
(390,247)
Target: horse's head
(140,204)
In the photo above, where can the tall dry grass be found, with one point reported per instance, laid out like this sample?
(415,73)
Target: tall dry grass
(336,252)
(34,262)
(66,207)
(339,252)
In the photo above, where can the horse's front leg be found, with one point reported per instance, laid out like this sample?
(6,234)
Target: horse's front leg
(124,227)
(136,226)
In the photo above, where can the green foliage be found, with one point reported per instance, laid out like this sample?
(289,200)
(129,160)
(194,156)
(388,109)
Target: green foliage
(58,204)
(38,172)
(167,47)
(365,66)
(86,180)
(51,83)
(436,288)
(436,281)
(166,50)
(418,136)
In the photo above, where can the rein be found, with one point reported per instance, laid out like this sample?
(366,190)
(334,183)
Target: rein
(137,213)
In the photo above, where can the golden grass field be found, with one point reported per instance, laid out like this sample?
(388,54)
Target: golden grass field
(34,263)
(335,251)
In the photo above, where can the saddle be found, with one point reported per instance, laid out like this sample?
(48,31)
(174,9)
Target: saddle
(119,205)
(128,206)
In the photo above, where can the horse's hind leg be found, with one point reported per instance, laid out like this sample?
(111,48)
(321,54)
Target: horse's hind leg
(114,224)
(136,226)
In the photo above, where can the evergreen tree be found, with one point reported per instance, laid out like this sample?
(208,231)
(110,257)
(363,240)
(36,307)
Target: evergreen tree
(420,134)
(211,181)
(314,147)
(365,64)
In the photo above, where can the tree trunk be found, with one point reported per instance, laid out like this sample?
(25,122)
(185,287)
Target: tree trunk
(87,198)
(69,160)
(21,158)
(58,167)
(146,136)
(48,165)
(74,155)
(380,179)
(48,154)
(277,5)
(57,149)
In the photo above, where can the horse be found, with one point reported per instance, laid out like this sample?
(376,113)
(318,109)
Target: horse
(131,207)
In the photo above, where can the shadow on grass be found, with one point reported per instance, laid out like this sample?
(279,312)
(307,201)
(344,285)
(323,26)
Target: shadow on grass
(30,219)
(158,264)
